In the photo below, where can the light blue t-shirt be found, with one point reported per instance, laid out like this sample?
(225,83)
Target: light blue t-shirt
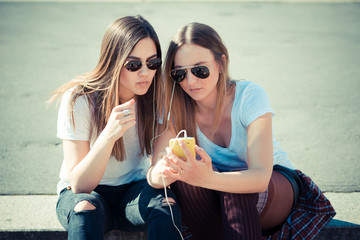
(251,102)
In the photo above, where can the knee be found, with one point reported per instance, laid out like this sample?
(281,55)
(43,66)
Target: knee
(167,201)
(161,201)
(84,206)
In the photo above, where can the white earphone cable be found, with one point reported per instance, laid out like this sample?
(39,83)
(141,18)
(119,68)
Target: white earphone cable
(151,147)
(168,118)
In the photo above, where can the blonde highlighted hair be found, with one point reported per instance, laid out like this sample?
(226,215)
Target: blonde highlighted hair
(101,85)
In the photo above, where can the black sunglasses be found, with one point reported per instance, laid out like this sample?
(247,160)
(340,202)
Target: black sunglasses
(179,74)
(135,65)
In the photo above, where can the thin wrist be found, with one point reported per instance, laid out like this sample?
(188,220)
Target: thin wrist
(106,137)
(212,180)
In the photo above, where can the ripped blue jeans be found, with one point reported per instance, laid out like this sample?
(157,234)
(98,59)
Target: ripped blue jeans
(130,207)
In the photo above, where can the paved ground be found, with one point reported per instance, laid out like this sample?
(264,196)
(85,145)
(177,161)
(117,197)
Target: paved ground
(305,55)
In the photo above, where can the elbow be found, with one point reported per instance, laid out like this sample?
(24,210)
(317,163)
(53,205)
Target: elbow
(263,179)
(260,187)
(264,184)
(77,189)
(153,180)
(156,186)
(263,187)
(153,184)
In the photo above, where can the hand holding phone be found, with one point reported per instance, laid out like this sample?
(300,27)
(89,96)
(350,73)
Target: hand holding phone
(176,148)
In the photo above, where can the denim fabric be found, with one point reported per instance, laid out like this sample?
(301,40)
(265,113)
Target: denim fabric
(131,207)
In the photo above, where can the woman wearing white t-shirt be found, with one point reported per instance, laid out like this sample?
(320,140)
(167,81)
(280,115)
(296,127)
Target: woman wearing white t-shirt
(242,184)
(106,122)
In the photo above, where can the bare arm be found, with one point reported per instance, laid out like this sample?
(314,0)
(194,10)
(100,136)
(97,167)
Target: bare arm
(255,179)
(85,167)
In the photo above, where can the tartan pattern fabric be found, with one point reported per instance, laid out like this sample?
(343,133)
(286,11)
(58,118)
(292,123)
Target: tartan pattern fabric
(310,214)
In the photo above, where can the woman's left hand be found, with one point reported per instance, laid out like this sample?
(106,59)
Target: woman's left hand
(189,170)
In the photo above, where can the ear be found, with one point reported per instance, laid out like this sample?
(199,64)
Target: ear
(223,58)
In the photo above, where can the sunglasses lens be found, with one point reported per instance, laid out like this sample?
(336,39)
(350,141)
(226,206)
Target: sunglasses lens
(133,65)
(178,74)
(154,64)
(200,71)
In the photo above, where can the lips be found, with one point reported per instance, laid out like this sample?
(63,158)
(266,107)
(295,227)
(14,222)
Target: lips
(194,89)
(145,83)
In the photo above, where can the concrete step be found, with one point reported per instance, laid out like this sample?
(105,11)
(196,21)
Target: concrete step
(331,232)
(34,217)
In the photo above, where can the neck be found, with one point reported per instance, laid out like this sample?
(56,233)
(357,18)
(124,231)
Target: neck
(207,105)
(127,98)
(126,95)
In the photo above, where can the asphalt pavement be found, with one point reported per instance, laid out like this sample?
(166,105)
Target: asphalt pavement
(306,55)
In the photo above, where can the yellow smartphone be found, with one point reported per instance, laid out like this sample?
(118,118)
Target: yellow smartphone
(175,146)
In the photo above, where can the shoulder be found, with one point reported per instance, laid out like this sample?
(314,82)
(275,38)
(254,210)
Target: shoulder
(246,89)
(247,85)
(74,95)
(74,117)
(251,101)
(75,105)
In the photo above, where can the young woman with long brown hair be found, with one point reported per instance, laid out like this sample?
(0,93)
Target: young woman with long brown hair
(106,122)
(241,184)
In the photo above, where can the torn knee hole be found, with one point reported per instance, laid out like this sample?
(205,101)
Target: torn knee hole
(83,206)
(171,201)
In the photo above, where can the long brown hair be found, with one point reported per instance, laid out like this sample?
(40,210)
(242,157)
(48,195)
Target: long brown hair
(101,85)
(183,106)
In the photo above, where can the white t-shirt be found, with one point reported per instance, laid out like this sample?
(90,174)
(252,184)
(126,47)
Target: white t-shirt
(133,168)
(251,102)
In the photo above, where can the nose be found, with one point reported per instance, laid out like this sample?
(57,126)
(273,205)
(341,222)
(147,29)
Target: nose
(190,78)
(144,71)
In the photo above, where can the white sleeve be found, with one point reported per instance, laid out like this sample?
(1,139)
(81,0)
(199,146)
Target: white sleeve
(82,117)
(255,103)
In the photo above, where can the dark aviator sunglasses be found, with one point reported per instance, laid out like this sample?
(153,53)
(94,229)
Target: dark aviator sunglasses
(135,65)
(179,74)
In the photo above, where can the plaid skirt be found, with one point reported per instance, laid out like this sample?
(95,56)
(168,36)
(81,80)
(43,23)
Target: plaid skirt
(310,214)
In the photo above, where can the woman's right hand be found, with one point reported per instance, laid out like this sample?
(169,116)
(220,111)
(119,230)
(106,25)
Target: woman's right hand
(86,166)
(119,122)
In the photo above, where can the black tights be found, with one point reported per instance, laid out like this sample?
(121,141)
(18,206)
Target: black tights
(278,204)
(236,219)
(217,215)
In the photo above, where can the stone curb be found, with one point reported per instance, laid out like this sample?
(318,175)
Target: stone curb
(34,217)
